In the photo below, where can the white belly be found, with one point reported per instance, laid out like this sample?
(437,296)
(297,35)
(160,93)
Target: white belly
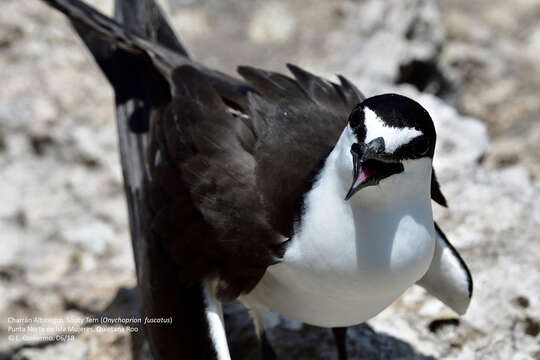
(338,281)
(348,260)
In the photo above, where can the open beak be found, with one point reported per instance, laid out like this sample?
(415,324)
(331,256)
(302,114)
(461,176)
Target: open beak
(370,165)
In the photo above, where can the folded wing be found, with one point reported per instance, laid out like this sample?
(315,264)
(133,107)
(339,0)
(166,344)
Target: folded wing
(448,277)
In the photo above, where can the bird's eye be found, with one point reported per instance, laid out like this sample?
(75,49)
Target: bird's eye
(421,146)
(356,150)
(356,117)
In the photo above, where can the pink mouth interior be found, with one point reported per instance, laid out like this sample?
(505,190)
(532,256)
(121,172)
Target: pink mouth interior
(363,175)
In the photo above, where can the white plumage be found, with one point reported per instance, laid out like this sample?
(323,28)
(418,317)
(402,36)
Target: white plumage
(350,259)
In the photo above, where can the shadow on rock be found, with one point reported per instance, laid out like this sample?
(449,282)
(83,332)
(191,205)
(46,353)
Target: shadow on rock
(294,340)
(290,339)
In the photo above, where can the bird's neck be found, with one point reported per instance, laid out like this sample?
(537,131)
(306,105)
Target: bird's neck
(335,179)
(403,194)
(388,224)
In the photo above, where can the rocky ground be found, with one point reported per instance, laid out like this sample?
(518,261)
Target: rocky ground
(64,249)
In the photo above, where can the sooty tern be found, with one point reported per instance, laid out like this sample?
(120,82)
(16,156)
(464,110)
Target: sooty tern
(242,188)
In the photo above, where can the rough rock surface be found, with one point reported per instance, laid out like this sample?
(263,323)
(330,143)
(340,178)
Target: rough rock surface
(64,249)
(493,53)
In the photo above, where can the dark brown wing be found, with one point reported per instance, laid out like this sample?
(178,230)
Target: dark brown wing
(203,157)
(217,174)
(317,109)
(207,210)
(297,123)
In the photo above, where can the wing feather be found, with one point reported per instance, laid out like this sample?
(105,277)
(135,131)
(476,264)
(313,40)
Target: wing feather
(297,123)
(273,86)
(448,277)
(222,219)
(341,98)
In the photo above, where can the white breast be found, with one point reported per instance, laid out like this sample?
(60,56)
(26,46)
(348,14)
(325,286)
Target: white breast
(351,259)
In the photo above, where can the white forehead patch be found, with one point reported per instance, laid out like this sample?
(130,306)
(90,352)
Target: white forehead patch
(393,137)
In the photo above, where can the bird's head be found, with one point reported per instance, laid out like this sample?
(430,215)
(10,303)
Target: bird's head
(391,140)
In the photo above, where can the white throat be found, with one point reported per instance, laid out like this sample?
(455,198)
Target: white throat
(413,182)
(348,260)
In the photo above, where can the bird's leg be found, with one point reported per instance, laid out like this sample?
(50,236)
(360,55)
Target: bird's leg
(340,336)
(267,351)
(257,314)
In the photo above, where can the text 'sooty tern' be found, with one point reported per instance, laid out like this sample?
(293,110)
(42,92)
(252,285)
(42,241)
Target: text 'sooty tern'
(293,194)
